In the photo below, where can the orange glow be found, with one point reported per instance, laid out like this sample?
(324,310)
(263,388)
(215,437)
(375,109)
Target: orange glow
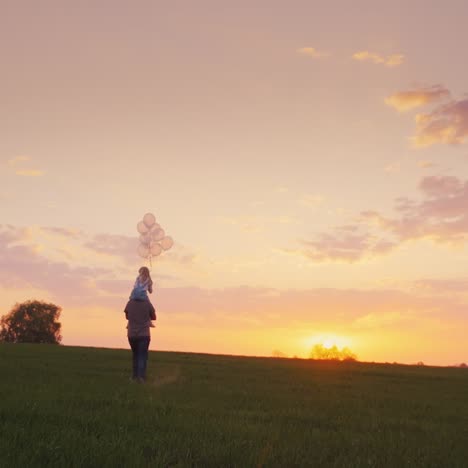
(327,340)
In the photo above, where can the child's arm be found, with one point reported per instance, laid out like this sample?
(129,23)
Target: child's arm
(150,288)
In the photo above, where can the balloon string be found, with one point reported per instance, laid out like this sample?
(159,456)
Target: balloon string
(151,254)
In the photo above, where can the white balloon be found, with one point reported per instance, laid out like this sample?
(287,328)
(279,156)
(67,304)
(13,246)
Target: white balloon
(145,239)
(167,243)
(158,235)
(142,228)
(156,249)
(143,251)
(149,219)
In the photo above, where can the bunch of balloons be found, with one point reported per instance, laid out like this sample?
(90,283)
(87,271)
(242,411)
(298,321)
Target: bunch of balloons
(153,239)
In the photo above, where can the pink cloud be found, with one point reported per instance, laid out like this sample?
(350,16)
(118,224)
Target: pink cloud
(343,246)
(407,100)
(124,247)
(441,216)
(64,232)
(18,165)
(23,266)
(442,286)
(28,262)
(312,52)
(10,234)
(447,124)
(29,172)
(441,186)
(389,61)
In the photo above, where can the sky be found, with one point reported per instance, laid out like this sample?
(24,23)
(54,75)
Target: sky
(309,159)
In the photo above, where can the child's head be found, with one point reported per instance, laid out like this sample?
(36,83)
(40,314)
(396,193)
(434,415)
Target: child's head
(144,272)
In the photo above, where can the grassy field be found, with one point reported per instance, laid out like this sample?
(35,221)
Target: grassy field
(66,407)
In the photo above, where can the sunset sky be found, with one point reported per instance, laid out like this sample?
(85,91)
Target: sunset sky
(309,159)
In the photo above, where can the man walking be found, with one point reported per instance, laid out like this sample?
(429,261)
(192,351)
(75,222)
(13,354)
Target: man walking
(139,315)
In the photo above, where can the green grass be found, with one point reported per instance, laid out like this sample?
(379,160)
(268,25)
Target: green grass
(69,407)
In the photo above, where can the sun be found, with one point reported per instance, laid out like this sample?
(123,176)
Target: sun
(328,343)
(327,340)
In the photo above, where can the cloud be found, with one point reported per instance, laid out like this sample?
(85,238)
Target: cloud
(124,247)
(30,173)
(10,234)
(24,266)
(64,232)
(312,52)
(18,159)
(440,216)
(394,167)
(389,61)
(406,100)
(344,246)
(248,224)
(17,164)
(312,201)
(441,186)
(77,268)
(181,256)
(447,124)
(425,164)
(385,320)
(56,262)
(449,286)
(255,224)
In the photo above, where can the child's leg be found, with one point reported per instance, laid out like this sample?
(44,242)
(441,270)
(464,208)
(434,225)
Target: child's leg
(139,295)
(151,324)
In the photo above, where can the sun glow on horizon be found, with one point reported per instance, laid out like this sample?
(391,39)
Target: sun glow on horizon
(328,341)
(328,344)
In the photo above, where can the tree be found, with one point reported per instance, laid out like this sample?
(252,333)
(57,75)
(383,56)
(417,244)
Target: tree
(31,322)
(334,353)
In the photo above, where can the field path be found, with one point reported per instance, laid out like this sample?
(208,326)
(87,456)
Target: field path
(168,378)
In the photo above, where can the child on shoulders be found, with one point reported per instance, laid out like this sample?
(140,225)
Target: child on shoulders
(143,285)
